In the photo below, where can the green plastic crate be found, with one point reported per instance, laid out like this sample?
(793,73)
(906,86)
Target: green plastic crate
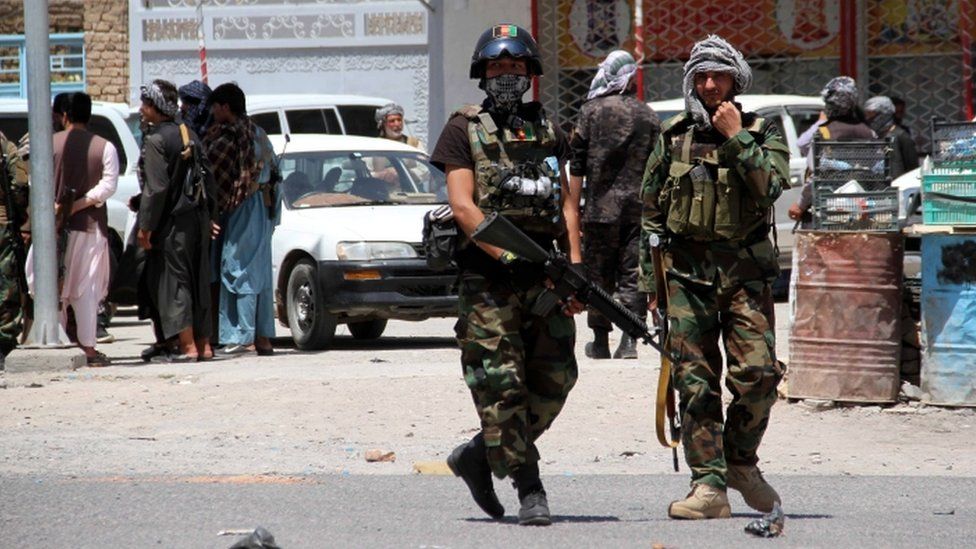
(949,198)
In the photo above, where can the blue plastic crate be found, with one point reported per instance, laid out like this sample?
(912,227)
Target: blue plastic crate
(949,198)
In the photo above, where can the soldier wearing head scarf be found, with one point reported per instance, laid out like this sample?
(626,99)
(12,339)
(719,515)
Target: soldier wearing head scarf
(614,135)
(879,112)
(841,120)
(708,189)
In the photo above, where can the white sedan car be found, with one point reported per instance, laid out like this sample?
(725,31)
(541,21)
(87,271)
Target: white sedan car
(348,247)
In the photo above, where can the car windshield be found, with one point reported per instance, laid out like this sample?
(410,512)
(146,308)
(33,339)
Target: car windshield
(324,179)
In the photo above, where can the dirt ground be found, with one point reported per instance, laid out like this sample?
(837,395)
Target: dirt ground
(313,413)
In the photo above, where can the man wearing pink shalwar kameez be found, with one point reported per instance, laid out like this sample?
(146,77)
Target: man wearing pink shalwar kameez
(89,165)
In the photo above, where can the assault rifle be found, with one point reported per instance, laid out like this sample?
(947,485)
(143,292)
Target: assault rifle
(567,281)
(14,223)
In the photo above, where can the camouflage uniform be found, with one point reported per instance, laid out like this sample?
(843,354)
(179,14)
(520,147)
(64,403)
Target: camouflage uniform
(519,366)
(709,199)
(11,297)
(614,136)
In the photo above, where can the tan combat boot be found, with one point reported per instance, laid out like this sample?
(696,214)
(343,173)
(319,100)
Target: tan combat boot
(703,502)
(748,480)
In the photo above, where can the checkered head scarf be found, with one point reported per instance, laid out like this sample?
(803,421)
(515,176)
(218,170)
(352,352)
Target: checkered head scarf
(613,75)
(154,95)
(840,97)
(716,55)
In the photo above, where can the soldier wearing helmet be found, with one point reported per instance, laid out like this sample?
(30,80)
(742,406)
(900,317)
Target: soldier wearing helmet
(505,156)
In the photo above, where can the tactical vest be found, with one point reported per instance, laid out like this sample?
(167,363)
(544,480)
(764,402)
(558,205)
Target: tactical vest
(704,201)
(511,169)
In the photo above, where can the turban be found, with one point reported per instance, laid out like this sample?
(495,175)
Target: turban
(713,54)
(613,75)
(840,97)
(387,110)
(884,113)
(153,94)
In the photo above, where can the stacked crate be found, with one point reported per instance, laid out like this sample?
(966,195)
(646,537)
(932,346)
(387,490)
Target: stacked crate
(836,163)
(948,296)
(845,338)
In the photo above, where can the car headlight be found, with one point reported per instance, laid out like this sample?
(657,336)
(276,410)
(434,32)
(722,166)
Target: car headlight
(366,251)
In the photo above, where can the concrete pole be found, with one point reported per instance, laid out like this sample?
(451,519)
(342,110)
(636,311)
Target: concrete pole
(436,109)
(46,331)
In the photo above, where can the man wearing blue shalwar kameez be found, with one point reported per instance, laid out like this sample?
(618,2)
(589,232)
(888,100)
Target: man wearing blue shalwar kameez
(243,161)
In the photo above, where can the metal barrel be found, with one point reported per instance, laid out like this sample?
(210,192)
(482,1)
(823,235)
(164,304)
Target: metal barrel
(845,339)
(949,319)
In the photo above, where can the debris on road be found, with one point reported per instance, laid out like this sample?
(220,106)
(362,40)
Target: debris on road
(374,455)
(910,392)
(431,468)
(259,538)
(770,525)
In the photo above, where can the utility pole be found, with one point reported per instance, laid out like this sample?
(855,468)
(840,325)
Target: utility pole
(46,331)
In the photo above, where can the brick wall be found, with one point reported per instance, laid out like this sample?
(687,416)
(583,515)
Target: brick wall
(107,49)
(64,16)
(106,27)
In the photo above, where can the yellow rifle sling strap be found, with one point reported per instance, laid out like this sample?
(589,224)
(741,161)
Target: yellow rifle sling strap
(664,407)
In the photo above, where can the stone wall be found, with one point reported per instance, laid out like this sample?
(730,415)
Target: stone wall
(107,49)
(106,27)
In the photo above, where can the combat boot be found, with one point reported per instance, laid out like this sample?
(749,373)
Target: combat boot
(600,346)
(627,347)
(748,480)
(470,462)
(534,510)
(703,502)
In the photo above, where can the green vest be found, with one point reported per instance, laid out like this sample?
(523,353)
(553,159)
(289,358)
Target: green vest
(499,154)
(704,201)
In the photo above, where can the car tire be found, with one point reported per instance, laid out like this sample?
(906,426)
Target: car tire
(367,329)
(312,327)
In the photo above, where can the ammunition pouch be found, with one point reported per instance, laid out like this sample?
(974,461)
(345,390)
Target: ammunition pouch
(706,202)
(440,239)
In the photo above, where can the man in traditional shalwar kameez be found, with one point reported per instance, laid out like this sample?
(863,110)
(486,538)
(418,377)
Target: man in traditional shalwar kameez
(175,283)
(243,159)
(87,166)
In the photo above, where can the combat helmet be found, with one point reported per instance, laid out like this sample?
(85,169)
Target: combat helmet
(501,40)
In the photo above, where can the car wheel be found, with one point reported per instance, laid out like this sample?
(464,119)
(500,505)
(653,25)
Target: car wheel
(367,329)
(312,327)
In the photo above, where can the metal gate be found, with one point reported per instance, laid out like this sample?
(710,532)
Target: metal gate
(918,50)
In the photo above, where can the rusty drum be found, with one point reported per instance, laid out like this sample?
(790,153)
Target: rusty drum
(949,319)
(845,339)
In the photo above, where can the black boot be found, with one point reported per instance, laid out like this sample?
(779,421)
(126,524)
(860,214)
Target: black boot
(600,347)
(627,347)
(534,509)
(470,462)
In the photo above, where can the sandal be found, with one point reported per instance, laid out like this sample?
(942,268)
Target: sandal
(98,360)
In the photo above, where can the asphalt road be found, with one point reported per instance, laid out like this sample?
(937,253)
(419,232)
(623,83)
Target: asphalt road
(424,511)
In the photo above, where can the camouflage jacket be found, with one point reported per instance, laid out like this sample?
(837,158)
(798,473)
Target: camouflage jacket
(17,176)
(753,163)
(613,138)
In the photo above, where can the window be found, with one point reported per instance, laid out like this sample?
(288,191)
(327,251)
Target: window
(803,118)
(359,119)
(268,121)
(67,64)
(14,125)
(316,179)
(312,121)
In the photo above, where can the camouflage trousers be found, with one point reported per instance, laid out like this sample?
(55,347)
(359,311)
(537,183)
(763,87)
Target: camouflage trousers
(11,306)
(519,366)
(610,253)
(742,317)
